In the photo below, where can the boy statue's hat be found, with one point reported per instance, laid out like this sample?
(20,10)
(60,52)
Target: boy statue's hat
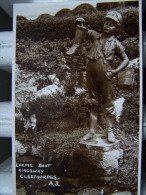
(80,19)
(114,15)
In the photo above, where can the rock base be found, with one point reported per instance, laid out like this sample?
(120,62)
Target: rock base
(99,144)
(98,157)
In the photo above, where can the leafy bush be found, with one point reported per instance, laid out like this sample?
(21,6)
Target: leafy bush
(106,6)
(21,18)
(44,17)
(64,13)
(131,21)
(131,47)
(47,27)
(132,3)
(84,8)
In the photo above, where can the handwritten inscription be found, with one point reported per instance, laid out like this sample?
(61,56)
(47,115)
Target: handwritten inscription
(29,176)
(54,183)
(44,165)
(30,171)
(24,165)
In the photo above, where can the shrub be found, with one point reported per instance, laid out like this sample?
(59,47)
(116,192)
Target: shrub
(44,17)
(64,13)
(21,18)
(131,21)
(106,6)
(132,3)
(131,47)
(46,27)
(84,8)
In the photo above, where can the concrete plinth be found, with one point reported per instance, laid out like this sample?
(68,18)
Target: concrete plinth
(100,157)
(99,144)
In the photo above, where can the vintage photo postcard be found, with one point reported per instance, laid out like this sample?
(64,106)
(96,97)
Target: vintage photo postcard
(77,98)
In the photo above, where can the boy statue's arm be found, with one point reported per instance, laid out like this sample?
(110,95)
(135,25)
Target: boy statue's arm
(122,65)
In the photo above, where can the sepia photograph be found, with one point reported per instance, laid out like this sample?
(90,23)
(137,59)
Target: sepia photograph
(77,80)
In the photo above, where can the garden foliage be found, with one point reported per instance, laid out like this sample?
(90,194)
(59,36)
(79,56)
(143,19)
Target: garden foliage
(47,27)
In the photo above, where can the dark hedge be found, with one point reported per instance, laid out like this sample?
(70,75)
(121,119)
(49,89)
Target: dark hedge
(84,8)
(50,28)
(131,47)
(21,18)
(107,6)
(131,21)
(64,13)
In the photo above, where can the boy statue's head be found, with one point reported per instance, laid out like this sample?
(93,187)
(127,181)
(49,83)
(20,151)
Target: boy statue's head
(112,22)
(115,16)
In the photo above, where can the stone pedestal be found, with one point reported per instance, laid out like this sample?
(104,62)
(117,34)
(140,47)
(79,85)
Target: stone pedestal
(100,158)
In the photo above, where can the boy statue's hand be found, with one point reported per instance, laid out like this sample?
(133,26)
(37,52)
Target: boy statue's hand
(109,74)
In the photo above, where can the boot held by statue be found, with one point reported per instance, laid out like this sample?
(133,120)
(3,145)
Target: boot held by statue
(80,35)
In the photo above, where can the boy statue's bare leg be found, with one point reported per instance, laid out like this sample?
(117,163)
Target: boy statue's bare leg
(93,125)
(110,128)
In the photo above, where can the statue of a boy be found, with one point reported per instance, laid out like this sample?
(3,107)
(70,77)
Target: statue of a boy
(99,72)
